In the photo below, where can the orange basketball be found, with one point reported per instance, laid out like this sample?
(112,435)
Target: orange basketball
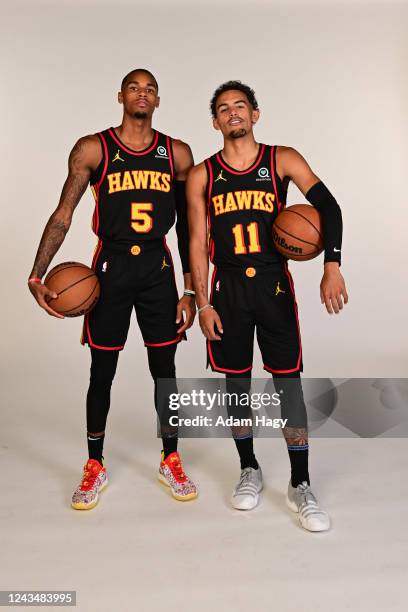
(77,288)
(297,232)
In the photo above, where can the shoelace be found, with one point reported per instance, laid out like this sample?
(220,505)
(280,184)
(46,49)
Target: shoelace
(88,479)
(245,477)
(306,494)
(177,469)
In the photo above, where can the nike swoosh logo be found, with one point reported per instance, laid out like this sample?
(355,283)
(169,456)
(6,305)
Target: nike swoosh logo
(336,250)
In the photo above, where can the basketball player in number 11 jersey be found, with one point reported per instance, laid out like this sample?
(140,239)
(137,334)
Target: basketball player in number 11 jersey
(233,200)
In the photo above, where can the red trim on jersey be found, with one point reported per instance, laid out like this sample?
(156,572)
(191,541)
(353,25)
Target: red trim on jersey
(210,354)
(170,151)
(232,171)
(226,370)
(179,336)
(209,192)
(171,259)
(274,177)
(295,369)
(130,151)
(95,216)
(97,346)
(96,254)
(105,155)
(212,283)
(96,187)
(86,319)
(178,339)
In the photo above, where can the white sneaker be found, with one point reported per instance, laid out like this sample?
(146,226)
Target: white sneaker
(246,493)
(302,501)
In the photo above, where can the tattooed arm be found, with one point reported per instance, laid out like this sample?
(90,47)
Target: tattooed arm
(197,222)
(84,157)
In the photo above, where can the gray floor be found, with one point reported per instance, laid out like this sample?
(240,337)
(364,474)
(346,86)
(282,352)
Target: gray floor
(140,549)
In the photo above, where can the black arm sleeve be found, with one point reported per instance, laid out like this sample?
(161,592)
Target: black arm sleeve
(181,224)
(321,198)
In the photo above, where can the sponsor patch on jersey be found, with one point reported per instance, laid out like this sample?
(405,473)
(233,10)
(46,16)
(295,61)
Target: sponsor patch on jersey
(263,174)
(161,152)
(104,266)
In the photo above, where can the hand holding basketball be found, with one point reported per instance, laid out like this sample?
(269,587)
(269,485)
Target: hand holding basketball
(42,295)
(71,289)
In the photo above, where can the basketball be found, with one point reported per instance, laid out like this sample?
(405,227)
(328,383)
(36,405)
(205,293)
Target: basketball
(77,288)
(297,232)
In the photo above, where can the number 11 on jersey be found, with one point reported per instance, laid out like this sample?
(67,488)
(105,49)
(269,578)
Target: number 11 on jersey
(254,246)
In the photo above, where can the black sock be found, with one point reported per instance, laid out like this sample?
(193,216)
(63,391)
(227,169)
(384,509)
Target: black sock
(245,448)
(299,463)
(95,447)
(169,446)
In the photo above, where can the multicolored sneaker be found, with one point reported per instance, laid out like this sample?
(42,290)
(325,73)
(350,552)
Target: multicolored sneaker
(94,480)
(302,501)
(171,474)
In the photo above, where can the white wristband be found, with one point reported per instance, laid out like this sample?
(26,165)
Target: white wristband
(204,307)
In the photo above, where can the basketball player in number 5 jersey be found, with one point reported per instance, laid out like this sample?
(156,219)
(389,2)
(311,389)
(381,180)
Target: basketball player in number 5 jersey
(137,176)
(233,200)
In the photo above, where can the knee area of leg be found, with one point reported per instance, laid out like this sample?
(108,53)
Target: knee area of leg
(161,361)
(103,367)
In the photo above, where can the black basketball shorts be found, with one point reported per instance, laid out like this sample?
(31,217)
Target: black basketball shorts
(263,299)
(140,276)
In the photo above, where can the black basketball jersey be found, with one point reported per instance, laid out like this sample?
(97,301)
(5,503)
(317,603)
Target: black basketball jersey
(133,190)
(242,206)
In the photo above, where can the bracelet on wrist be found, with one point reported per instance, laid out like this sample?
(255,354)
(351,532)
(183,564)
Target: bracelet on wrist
(189,292)
(34,279)
(204,307)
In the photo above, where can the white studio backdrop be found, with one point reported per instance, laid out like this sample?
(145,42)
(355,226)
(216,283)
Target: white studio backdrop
(330,80)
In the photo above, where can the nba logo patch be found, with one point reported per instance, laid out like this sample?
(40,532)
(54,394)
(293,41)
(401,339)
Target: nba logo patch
(217,285)
(104,266)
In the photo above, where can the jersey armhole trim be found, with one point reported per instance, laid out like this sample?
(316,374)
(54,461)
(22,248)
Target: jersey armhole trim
(208,193)
(171,156)
(104,159)
(209,185)
(274,175)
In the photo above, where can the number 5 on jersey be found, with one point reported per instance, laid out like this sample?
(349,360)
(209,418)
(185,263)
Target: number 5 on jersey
(142,222)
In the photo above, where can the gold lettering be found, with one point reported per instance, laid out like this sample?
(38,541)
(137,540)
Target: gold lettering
(230,204)
(114,182)
(269,204)
(244,199)
(127,182)
(141,178)
(258,200)
(155,180)
(218,203)
(165,182)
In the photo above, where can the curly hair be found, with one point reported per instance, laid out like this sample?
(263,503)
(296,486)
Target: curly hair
(228,86)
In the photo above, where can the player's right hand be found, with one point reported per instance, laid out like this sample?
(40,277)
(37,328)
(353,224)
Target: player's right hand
(209,323)
(42,295)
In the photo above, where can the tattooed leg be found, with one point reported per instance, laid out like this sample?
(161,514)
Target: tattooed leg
(295,432)
(295,436)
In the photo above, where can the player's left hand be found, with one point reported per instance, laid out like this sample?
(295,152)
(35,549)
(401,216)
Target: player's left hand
(187,306)
(333,290)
